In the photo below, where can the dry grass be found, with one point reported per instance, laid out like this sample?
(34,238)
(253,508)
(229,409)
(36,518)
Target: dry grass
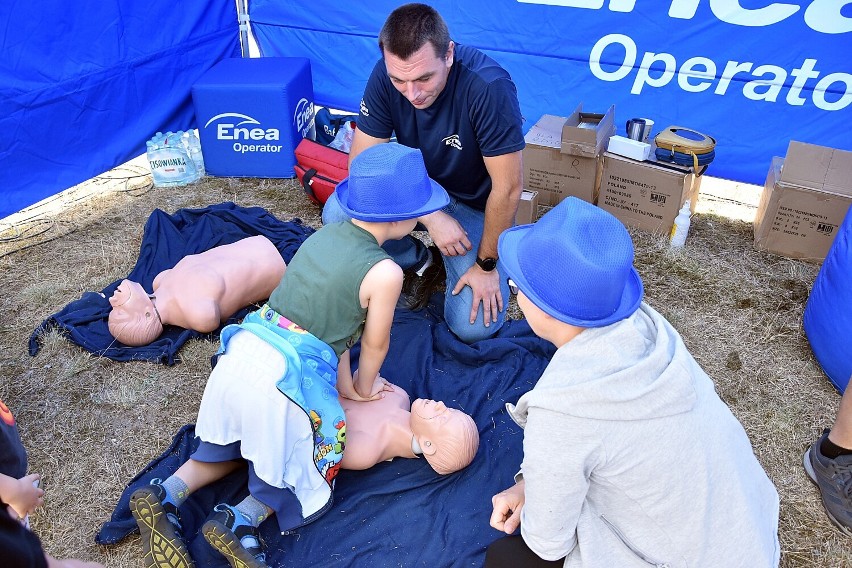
(90,424)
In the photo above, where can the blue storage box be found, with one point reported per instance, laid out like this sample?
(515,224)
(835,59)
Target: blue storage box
(252,113)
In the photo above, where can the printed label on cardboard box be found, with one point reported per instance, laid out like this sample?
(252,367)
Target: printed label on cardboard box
(643,194)
(797,222)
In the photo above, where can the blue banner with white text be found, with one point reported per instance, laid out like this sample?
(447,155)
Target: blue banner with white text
(754,74)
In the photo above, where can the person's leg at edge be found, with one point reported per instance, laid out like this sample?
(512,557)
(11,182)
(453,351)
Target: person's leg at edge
(512,551)
(841,432)
(457,308)
(828,463)
(409,253)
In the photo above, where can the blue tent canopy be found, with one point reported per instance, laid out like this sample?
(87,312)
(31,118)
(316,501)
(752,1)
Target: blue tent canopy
(81,90)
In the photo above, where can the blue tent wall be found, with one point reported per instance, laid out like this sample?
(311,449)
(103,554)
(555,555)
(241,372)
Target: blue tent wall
(547,46)
(82,86)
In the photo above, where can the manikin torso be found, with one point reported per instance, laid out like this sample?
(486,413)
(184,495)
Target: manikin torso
(378,430)
(203,290)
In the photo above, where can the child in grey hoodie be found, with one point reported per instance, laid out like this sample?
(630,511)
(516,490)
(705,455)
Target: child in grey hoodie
(630,457)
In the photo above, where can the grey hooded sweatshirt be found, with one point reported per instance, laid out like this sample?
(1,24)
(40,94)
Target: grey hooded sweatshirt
(632,460)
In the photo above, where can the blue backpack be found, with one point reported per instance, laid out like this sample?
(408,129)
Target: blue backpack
(327,124)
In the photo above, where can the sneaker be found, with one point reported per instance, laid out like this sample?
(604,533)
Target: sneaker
(422,287)
(159,525)
(834,479)
(238,541)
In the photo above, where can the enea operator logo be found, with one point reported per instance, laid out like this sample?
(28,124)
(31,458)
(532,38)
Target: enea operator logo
(303,118)
(246,132)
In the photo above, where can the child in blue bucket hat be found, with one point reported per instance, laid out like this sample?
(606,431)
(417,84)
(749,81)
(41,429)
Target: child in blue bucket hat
(630,457)
(272,400)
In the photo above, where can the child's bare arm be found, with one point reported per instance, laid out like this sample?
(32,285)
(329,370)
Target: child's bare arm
(346,382)
(70,563)
(380,292)
(345,385)
(21,494)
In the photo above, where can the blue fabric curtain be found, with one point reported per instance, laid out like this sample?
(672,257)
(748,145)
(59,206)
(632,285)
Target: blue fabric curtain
(83,85)
(754,74)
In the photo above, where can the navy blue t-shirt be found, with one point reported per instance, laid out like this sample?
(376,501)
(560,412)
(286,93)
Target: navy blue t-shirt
(477,114)
(13,456)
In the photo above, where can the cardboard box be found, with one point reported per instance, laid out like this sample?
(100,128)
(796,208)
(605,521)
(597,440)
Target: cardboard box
(804,201)
(527,208)
(646,195)
(586,134)
(560,156)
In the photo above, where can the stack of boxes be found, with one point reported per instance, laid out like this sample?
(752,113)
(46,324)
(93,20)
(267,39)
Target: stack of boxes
(567,156)
(804,201)
(562,155)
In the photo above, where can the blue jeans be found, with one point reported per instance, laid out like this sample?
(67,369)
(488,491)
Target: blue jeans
(410,253)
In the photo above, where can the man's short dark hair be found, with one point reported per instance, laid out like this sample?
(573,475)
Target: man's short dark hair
(409,27)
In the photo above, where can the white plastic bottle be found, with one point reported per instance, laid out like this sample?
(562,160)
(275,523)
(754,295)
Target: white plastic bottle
(194,147)
(681,226)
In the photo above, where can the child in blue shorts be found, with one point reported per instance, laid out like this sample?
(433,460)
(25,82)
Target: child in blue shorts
(272,399)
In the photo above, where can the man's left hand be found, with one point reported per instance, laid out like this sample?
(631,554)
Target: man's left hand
(486,289)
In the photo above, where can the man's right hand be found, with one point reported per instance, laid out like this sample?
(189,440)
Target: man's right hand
(447,234)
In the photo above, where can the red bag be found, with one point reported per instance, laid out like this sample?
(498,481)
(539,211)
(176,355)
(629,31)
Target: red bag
(320,168)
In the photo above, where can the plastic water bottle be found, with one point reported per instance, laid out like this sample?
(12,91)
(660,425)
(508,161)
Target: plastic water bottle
(343,139)
(175,140)
(681,226)
(170,162)
(194,148)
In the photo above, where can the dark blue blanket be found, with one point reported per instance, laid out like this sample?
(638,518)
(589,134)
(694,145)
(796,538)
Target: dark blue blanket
(166,240)
(398,513)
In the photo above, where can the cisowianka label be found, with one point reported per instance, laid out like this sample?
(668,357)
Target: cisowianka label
(171,166)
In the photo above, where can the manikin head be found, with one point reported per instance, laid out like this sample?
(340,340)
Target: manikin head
(448,437)
(134,319)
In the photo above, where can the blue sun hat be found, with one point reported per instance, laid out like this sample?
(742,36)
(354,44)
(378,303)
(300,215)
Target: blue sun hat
(389,182)
(575,264)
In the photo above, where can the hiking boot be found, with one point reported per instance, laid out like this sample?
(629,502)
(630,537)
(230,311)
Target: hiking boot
(834,479)
(408,278)
(238,541)
(422,287)
(159,525)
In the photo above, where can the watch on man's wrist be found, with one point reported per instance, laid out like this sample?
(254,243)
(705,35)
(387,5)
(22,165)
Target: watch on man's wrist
(487,264)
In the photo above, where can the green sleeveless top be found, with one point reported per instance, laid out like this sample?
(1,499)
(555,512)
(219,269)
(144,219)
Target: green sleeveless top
(319,290)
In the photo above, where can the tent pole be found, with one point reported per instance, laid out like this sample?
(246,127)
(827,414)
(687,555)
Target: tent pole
(243,18)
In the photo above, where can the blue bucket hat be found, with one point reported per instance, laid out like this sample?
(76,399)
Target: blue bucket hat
(575,263)
(389,182)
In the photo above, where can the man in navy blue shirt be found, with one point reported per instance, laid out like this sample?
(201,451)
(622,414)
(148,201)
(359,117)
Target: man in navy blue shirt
(460,108)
